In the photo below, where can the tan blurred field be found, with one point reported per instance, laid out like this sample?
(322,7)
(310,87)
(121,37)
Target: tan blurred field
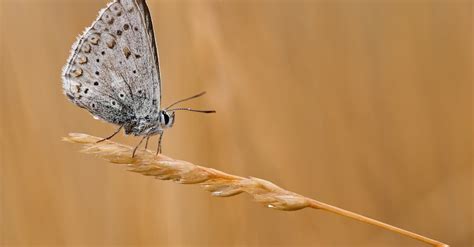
(362,104)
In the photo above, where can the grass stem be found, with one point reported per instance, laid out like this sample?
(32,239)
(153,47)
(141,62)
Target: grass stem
(218,183)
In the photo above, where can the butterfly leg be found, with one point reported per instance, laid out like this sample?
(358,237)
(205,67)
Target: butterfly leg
(108,138)
(158,151)
(146,143)
(135,149)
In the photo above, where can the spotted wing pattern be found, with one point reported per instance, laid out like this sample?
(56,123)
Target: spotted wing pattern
(113,69)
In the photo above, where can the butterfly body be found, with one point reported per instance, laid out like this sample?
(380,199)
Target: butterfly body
(113,71)
(149,125)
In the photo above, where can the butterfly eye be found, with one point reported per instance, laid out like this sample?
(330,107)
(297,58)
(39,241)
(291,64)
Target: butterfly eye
(166,118)
(96,83)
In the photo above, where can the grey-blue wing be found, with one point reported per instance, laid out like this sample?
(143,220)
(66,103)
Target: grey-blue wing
(113,69)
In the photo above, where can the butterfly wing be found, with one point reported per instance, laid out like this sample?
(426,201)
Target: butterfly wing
(113,69)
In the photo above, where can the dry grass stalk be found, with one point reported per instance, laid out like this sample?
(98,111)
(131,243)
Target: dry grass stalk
(218,183)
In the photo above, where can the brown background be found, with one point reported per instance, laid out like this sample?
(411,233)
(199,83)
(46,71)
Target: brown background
(362,104)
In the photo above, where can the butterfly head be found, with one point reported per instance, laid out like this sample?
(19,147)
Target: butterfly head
(166,116)
(166,119)
(156,123)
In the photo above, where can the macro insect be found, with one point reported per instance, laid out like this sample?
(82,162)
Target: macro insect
(113,71)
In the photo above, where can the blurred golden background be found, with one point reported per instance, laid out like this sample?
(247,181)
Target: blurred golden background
(362,104)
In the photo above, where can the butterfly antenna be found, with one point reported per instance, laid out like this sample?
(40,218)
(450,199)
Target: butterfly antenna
(194,110)
(186,99)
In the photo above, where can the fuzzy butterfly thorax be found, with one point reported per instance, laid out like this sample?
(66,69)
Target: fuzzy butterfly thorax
(142,126)
(149,125)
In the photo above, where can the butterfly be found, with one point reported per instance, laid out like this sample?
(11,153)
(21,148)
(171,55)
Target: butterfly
(113,71)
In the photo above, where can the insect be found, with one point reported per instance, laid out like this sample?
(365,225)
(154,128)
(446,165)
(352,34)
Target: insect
(113,72)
